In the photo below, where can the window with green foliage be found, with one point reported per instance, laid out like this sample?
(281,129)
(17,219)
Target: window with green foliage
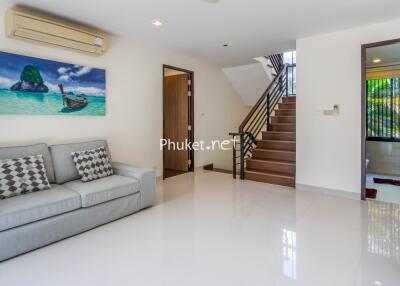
(383,109)
(290,59)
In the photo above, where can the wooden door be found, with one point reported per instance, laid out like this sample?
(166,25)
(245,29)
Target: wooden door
(176,120)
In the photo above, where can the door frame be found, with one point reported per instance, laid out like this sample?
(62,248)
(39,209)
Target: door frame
(191,113)
(364,48)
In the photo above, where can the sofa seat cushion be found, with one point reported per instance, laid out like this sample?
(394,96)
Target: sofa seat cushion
(104,189)
(20,210)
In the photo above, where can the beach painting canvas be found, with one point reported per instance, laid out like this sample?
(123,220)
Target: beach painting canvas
(34,86)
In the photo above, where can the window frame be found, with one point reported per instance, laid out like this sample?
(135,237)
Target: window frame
(363,102)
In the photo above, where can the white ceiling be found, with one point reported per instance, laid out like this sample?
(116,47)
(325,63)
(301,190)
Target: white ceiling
(199,28)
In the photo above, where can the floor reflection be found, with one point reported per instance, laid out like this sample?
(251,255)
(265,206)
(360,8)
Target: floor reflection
(289,253)
(384,230)
(380,262)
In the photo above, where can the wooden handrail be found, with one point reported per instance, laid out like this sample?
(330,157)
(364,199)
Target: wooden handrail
(261,99)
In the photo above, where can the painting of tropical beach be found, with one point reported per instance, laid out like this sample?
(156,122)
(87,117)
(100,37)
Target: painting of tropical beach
(34,86)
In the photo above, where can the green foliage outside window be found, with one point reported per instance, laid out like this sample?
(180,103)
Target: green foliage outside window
(383,109)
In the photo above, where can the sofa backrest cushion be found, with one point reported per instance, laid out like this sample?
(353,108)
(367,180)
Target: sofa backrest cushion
(64,166)
(31,150)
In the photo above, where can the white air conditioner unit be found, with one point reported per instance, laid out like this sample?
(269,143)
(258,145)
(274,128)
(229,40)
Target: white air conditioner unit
(26,26)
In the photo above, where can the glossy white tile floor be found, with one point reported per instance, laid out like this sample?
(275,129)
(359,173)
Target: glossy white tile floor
(386,193)
(210,230)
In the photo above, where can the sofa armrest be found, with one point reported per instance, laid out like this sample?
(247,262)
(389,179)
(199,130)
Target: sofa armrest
(146,177)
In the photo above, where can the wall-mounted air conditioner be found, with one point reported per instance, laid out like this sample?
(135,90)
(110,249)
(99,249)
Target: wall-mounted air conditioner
(26,26)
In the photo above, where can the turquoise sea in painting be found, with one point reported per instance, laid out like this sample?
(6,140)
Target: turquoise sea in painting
(35,86)
(19,102)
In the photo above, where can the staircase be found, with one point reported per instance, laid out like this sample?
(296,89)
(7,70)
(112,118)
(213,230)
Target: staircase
(265,143)
(273,159)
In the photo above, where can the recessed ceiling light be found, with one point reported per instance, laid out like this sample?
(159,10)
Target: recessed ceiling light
(377,61)
(157,23)
(376,282)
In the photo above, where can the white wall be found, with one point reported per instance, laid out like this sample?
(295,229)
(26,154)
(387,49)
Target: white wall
(133,125)
(384,157)
(328,73)
(250,81)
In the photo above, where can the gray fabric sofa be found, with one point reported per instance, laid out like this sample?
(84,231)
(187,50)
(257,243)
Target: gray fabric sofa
(70,207)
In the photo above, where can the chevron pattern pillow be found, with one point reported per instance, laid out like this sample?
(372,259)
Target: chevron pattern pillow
(92,164)
(22,175)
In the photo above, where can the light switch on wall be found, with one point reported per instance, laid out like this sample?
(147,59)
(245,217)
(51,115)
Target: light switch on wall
(331,112)
(336,110)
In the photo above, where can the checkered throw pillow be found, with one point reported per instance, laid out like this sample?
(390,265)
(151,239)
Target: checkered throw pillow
(92,164)
(22,175)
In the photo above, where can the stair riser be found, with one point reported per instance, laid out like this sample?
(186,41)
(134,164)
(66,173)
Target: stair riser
(285,112)
(278,136)
(285,128)
(265,154)
(265,178)
(284,119)
(289,99)
(281,154)
(276,145)
(283,106)
(271,166)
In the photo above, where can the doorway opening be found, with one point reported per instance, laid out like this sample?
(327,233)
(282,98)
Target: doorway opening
(380,165)
(178,121)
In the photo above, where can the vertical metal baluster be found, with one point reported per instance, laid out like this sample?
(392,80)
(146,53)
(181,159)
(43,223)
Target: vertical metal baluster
(268,112)
(287,81)
(292,79)
(234,157)
(241,157)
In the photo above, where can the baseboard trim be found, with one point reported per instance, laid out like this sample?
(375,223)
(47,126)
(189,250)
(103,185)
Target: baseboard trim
(328,191)
(210,167)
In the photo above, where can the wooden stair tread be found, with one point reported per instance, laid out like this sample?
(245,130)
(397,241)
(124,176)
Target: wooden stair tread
(270,173)
(275,150)
(283,162)
(284,127)
(274,154)
(285,132)
(273,160)
(276,140)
